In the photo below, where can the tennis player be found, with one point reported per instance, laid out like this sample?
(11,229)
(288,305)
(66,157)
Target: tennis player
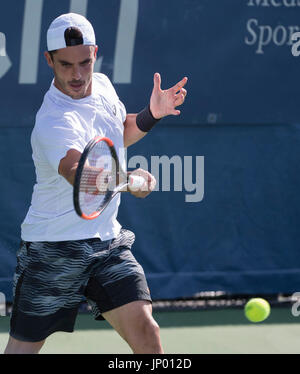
(63,258)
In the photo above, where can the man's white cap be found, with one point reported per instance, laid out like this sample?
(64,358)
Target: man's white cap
(56,32)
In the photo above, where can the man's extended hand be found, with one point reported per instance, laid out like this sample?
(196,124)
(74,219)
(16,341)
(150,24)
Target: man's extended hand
(164,102)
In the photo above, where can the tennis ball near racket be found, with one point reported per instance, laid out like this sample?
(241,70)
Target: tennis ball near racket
(257,309)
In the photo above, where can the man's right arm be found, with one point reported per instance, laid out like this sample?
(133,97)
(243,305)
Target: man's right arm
(68,165)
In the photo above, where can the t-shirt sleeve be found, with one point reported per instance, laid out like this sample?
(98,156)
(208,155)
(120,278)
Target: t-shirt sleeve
(55,141)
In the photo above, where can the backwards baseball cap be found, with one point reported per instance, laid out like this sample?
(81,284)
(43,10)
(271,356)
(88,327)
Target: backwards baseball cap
(56,35)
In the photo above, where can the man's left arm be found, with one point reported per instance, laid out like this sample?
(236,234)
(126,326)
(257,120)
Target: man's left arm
(162,103)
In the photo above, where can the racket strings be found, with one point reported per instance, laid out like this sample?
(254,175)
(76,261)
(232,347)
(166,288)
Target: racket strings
(96,179)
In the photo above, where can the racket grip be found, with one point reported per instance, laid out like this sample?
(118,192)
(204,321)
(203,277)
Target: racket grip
(135,182)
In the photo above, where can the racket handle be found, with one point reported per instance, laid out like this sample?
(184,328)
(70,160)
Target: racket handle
(135,182)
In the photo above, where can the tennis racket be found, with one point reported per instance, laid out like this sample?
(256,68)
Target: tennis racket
(99,178)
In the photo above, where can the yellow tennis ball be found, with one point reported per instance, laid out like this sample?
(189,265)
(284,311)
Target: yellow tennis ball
(257,309)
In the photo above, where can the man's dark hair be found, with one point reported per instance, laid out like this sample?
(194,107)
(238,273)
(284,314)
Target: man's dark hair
(51,53)
(73,36)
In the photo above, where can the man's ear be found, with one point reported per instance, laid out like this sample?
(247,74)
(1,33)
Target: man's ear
(48,59)
(96,51)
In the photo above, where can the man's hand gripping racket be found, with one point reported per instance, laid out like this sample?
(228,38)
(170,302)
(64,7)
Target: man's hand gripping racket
(99,178)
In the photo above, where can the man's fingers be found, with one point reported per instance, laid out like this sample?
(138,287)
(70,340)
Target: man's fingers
(180,97)
(151,182)
(179,101)
(157,81)
(180,84)
(181,93)
(175,112)
(184,92)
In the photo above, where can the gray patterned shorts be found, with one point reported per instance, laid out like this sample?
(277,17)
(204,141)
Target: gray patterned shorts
(53,278)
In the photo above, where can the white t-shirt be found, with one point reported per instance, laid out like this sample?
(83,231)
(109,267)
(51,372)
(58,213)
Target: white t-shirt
(62,124)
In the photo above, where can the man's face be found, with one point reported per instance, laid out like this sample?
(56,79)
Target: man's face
(73,69)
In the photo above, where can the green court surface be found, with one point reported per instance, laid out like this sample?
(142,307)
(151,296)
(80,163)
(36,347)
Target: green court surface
(187,332)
